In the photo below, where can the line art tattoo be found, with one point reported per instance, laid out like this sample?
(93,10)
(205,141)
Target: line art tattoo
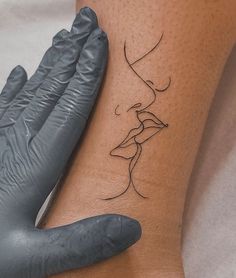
(116,113)
(149,125)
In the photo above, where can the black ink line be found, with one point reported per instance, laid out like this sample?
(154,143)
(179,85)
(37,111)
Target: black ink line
(116,113)
(153,90)
(135,106)
(133,135)
(155,46)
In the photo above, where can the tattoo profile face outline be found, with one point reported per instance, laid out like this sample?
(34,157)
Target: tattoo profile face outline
(148,126)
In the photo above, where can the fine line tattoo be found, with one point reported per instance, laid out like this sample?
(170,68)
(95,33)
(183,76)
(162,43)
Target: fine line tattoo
(116,113)
(149,125)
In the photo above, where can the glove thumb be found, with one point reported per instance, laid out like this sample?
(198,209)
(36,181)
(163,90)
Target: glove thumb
(84,242)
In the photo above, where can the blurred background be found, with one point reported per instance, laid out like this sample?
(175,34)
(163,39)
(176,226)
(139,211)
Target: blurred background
(209,242)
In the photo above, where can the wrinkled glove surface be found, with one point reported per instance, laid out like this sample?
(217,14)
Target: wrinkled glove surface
(41,120)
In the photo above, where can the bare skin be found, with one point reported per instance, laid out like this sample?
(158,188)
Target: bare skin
(197,39)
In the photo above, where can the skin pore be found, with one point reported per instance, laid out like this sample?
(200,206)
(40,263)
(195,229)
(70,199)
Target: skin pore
(197,39)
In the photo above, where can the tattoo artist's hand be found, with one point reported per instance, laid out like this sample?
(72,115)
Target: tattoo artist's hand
(41,121)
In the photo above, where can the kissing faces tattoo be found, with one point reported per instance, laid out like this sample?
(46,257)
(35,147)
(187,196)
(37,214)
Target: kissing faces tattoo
(149,125)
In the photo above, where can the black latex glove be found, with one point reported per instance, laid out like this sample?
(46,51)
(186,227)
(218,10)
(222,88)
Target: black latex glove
(41,121)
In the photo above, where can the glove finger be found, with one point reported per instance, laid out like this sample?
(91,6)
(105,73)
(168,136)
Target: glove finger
(82,16)
(85,242)
(48,61)
(14,84)
(58,79)
(67,121)
(26,94)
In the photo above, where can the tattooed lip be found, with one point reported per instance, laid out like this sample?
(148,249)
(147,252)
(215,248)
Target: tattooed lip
(148,127)
(151,125)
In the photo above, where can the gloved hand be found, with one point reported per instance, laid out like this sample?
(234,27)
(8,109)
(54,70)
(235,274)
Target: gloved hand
(41,121)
